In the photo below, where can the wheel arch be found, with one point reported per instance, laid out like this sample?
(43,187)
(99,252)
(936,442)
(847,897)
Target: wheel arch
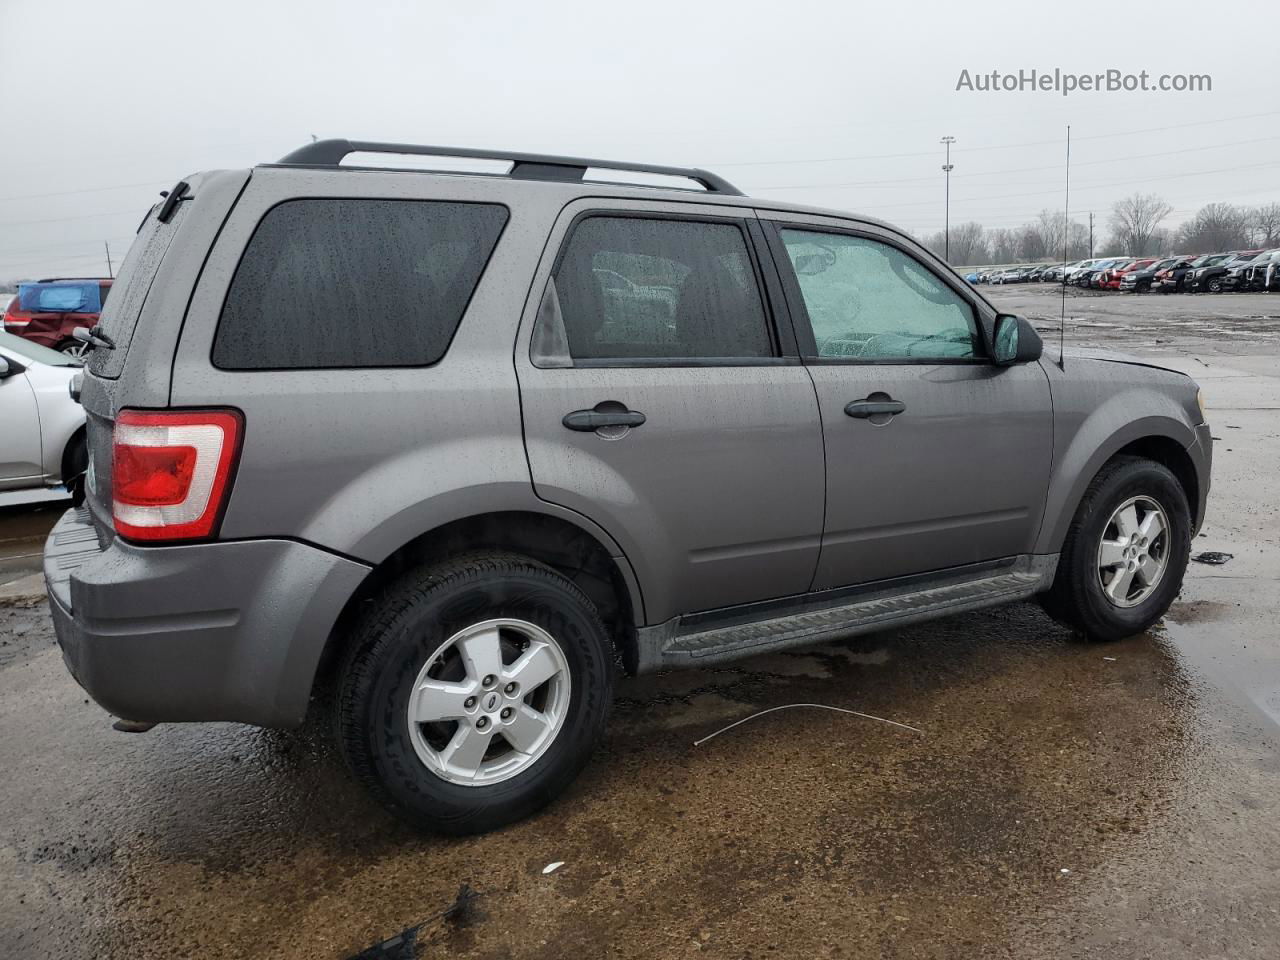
(568,547)
(1162,439)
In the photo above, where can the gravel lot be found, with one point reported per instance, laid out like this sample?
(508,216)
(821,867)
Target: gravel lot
(1060,799)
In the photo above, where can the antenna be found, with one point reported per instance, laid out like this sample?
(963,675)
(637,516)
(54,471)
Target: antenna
(1066,237)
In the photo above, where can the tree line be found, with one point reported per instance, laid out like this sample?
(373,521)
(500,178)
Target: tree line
(1134,228)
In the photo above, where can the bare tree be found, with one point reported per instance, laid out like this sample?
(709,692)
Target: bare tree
(968,246)
(1046,233)
(1135,220)
(1215,227)
(1003,245)
(1265,223)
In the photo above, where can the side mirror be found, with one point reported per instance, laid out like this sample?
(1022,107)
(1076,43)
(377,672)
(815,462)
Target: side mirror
(1015,341)
(9,368)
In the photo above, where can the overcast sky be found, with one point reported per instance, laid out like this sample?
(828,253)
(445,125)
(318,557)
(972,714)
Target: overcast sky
(840,104)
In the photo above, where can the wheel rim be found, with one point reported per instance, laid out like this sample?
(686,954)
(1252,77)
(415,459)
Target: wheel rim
(489,702)
(1134,553)
(76,349)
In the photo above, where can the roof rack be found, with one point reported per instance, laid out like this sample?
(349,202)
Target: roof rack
(526,166)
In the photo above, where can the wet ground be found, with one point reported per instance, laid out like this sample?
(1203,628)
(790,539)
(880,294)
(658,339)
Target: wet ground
(1059,800)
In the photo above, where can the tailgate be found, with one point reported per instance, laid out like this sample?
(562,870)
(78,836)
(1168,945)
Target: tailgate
(143,318)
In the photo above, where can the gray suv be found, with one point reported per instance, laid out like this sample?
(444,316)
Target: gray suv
(452,447)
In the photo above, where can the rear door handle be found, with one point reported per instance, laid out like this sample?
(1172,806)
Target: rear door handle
(864,409)
(589,420)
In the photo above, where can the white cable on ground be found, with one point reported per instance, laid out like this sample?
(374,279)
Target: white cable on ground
(816,706)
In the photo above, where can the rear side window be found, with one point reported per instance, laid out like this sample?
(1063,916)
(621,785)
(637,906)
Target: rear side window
(632,287)
(354,283)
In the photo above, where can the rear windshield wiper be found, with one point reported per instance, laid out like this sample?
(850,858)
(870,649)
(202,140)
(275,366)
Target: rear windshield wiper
(93,338)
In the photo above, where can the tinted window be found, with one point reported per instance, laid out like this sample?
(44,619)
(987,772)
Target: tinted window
(354,283)
(631,287)
(870,300)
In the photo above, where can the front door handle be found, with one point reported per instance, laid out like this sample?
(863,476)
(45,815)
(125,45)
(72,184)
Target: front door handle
(589,420)
(865,409)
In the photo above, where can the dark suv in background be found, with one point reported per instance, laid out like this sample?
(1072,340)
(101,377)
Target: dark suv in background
(452,445)
(48,312)
(1141,279)
(1175,277)
(1208,274)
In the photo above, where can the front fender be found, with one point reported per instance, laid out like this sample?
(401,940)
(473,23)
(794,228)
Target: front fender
(1090,441)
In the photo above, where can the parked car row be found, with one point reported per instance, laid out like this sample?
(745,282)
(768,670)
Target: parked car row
(1241,270)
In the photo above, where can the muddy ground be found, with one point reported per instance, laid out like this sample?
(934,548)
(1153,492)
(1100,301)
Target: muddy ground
(1059,800)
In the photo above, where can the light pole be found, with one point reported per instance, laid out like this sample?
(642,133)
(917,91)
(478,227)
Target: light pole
(946,230)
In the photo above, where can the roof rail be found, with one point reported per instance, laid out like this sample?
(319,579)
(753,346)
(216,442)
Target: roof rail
(527,166)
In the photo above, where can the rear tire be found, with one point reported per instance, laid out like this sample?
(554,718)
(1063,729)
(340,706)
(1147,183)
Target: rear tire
(1112,581)
(73,348)
(425,643)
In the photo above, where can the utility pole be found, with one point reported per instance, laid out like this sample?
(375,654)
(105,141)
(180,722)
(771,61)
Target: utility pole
(1091,234)
(107,247)
(946,230)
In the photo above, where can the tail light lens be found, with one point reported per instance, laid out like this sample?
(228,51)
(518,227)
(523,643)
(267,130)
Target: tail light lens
(171,472)
(15,321)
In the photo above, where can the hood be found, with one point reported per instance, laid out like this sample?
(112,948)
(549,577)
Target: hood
(1111,356)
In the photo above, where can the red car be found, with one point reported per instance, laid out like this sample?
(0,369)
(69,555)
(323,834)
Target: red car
(1110,279)
(48,311)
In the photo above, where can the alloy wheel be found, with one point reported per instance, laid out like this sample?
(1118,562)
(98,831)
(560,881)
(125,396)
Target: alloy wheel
(1134,551)
(489,702)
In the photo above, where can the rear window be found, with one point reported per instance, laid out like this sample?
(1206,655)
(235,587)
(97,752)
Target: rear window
(60,297)
(329,282)
(129,291)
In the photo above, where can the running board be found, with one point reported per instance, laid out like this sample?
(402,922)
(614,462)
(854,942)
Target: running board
(812,620)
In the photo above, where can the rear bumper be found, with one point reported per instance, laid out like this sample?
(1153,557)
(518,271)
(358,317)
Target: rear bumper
(215,631)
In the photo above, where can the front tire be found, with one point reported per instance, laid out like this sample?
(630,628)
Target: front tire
(1125,553)
(474,692)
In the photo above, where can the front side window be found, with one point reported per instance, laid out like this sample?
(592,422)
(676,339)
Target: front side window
(336,282)
(868,300)
(638,288)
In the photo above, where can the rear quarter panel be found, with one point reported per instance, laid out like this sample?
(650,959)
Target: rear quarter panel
(361,461)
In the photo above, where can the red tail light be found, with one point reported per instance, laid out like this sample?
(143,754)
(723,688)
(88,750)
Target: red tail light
(171,472)
(14,320)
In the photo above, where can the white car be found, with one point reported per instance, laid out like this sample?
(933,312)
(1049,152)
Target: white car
(41,426)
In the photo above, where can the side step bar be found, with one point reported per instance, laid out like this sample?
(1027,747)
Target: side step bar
(811,620)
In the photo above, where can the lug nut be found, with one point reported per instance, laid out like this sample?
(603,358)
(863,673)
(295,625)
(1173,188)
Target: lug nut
(489,681)
(510,689)
(482,723)
(469,702)
(506,713)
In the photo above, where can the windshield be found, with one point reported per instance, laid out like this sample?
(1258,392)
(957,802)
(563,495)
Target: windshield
(36,353)
(60,297)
